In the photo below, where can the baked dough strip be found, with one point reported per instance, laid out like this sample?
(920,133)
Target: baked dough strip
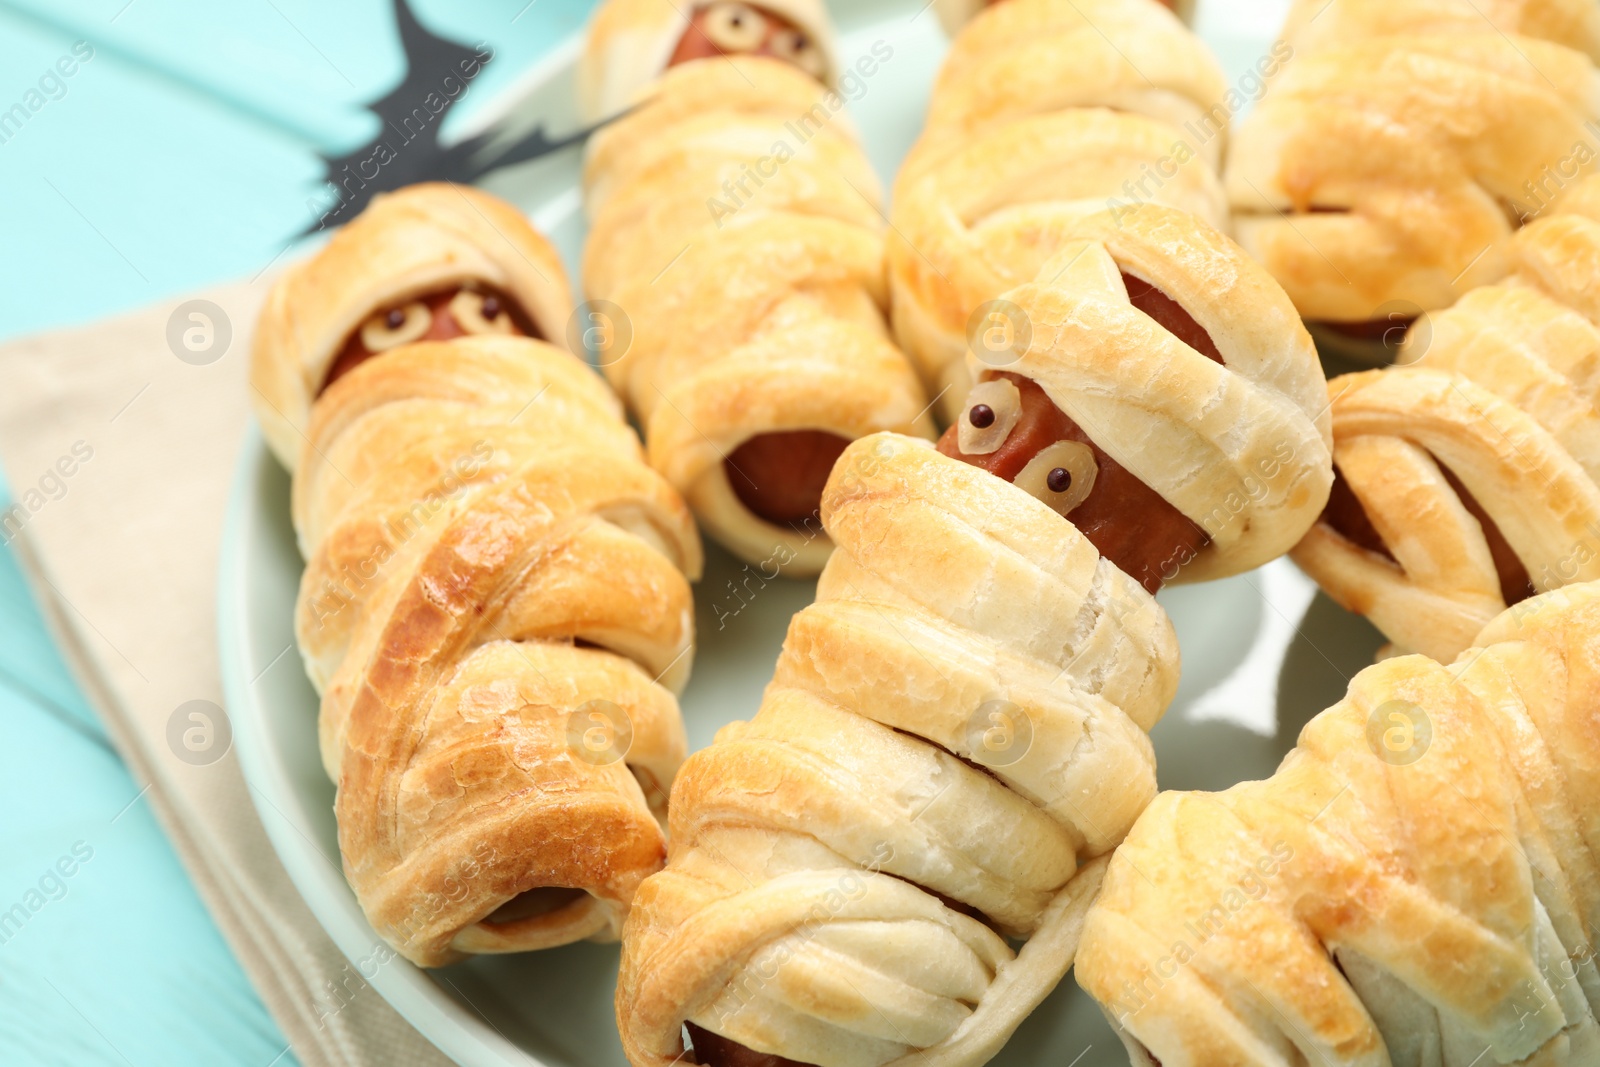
(1417,884)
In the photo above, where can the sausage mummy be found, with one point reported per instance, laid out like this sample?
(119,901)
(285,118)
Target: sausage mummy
(1415,885)
(1047,137)
(400,276)
(1206,433)
(735,223)
(1469,477)
(495,607)
(954,738)
(1394,155)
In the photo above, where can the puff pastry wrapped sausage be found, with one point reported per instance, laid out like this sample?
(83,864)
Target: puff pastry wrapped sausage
(1470,478)
(735,223)
(1390,161)
(495,610)
(955,732)
(1157,347)
(1415,885)
(1045,110)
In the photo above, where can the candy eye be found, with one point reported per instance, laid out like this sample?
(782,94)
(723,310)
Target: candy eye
(1062,475)
(735,27)
(396,326)
(993,409)
(477,312)
(795,47)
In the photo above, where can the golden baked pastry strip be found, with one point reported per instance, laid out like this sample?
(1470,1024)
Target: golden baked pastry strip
(1393,157)
(1473,466)
(1415,885)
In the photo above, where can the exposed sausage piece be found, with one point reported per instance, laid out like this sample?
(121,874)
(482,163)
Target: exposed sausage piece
(714,1050)
(534,902)
(442,312)
(780,476)
(1130,523)
(1388,332)
(724,29)
(1169,314)
(1349,519)
(1515,585)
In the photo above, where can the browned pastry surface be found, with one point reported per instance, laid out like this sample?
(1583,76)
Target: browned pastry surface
(1417,884)
(954,738)
(496,613)
(736,224)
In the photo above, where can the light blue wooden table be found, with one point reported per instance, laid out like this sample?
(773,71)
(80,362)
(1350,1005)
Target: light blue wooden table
(180,151)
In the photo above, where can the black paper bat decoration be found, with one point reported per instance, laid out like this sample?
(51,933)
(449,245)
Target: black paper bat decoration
(407,148)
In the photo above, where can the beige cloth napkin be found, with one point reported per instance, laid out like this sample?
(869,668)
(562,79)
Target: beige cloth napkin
(124,565)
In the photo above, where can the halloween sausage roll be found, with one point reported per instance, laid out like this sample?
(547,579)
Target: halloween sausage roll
(429,262)
(495,606)
(1469,479)
(1167,401)
(1045,110)
(1452,500)
(845,868)
(954,739)
(1416,885)
(736,233)
(1392,158)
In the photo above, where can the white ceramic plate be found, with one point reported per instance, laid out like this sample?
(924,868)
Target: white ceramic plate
(1262,652)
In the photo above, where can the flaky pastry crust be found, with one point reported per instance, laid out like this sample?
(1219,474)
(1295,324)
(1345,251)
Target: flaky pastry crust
(496,612)
(956,729)
(1392,158)
(1243,448)
(1315,24)
(1032,57)
(1044,111)
(955,14)
(1502,390)
(751,309)
(420,239)
(1416,884)
(1559,254)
